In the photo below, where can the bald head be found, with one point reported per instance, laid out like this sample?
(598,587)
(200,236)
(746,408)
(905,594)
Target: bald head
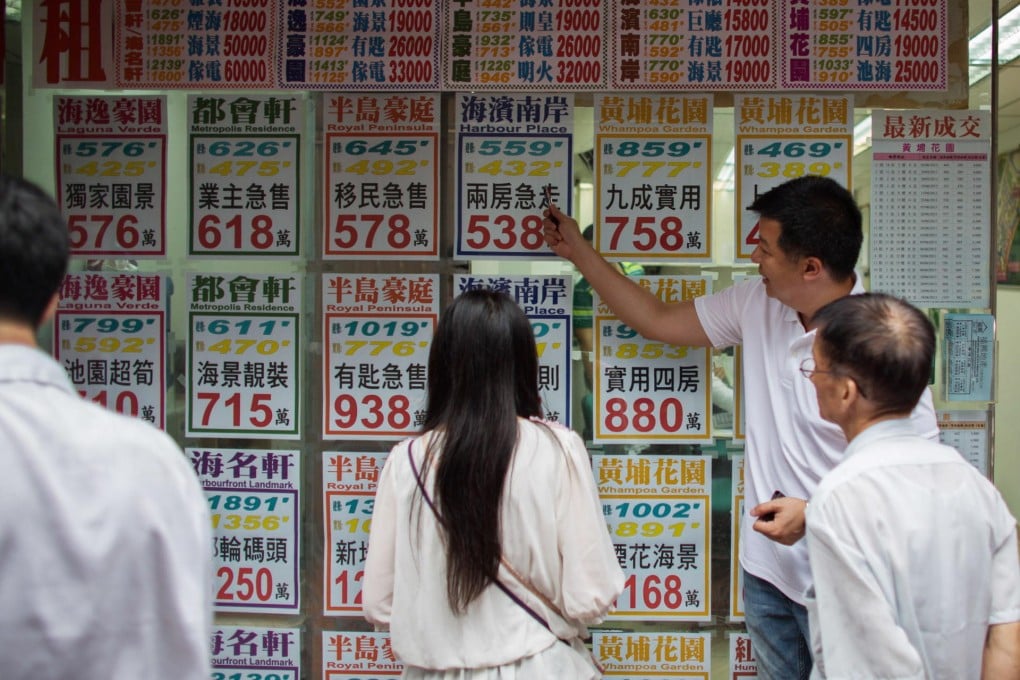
(885,344)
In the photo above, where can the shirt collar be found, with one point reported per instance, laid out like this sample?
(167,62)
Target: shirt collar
(886,429)
(21,363)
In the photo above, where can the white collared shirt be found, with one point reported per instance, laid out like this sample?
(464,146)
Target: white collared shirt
(105,538)
(789,448)
(914,554)
(553,533)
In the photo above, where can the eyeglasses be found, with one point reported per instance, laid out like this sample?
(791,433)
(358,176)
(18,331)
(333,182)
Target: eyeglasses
(807,369)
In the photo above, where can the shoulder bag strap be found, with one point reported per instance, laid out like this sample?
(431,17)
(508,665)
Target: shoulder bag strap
(499,584)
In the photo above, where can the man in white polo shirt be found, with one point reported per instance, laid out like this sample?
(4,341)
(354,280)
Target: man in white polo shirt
(809,240)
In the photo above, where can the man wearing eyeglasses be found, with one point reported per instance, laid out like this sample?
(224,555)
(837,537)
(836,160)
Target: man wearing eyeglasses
(913,551)
(809,240)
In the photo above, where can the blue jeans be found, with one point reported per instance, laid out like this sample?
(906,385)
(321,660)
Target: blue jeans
(778,628)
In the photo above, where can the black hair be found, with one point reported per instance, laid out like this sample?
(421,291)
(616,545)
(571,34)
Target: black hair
(818,218)
(482,377)
(34,250)
(884,343)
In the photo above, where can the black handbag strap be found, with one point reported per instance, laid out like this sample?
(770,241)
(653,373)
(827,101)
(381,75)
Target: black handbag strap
(499,584)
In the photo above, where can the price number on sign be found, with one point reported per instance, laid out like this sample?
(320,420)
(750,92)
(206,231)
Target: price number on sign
(108,148)
(249,522)
(244,584)
(247,148)
(375,348)
(347,589)
(399,147)
(651,148)
(124,401)
(94,230)
(651,591)
(254,409)
(248,503)
(646,233)
(111,325)
(249,675)
(505,232)
(257,230)
(389,328)
(221,326)
(86,344)
(372,411)
(360,231)
(652,168)
(242,345)
(517,147)
(643,415)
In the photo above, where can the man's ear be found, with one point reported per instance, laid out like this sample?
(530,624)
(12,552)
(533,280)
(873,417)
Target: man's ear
(813,267)
(51,309)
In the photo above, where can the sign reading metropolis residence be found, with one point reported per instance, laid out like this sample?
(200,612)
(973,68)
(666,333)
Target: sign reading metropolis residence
(111,173)
(255,506)
(546,300)
(377,330)
(653,158)
(382,176)
(349,483)
(242,355)
(245,180)
(110,336)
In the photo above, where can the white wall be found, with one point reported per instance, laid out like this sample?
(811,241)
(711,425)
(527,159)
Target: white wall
(1007,422)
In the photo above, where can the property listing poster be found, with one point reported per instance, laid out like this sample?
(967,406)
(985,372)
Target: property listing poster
(256,653)
(743,663)
(242,355)
(653,158)
(689,45)
(930,208)
(385,45)
(968,353)
(859,45)
(356,655)
(521,46)
(109,334)
(649,392)
(382,176)
(514,158)
(659,517)
(349,483)
(111,173)
(967,432)
(245,156)
(780,137)
(255,505)
(736,514)
(377,329)
(643,655)
(547,301)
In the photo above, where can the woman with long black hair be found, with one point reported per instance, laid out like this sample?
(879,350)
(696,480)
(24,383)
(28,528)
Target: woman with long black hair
(489,555)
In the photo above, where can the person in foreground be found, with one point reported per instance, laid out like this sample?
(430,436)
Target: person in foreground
(913,552)
(105,560)
(488,554)
(809,238)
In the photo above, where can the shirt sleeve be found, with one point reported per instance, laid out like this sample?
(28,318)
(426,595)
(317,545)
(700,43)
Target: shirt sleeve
(591,575)
(1005,577)
(720,313)
(853,628)
(380,564)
